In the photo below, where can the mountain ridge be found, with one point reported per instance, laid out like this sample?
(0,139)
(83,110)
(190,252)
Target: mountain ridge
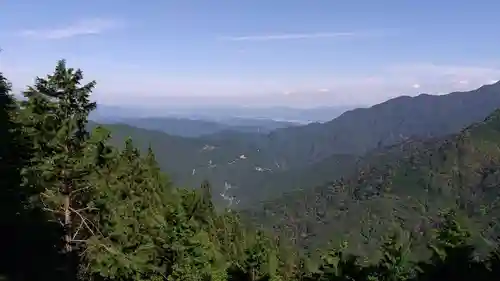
(186,127)
(390,121)
(254,162)
(406,185)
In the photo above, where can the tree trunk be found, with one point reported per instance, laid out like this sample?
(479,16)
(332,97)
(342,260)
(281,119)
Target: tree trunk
(67,223)
(68,228)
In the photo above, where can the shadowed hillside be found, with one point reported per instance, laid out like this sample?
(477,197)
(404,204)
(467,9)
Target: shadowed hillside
(258,166)
(404,185)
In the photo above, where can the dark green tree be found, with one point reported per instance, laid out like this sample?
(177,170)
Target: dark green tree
(395,264)
(493,264)
(54,118)
(23,255)
(338,265)
(130,218)
(452,255)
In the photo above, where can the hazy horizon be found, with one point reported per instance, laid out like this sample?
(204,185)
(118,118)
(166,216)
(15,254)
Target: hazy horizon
(291,53)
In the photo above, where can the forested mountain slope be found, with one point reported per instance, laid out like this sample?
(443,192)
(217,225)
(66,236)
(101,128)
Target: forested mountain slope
(260,166)
(360,130)
(235,167)
(404,185)
(189,161)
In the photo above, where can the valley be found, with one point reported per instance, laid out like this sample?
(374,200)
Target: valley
(260,165)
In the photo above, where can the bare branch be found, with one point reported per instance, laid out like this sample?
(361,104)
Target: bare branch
(78,190)
(78,230)
(44,195)
(52,211)
(84,220)
(87,208)
(79,241)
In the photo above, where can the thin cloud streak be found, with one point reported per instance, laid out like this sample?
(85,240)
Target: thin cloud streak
(291,36)
(80,28)
(305,36)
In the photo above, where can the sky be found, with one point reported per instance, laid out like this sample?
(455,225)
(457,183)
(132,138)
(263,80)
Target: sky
(299,53)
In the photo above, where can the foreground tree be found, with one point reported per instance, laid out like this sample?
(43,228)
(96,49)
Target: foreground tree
(23,255)
(131,219)
(339,265)
(395,264)
(452,255)
(55,118)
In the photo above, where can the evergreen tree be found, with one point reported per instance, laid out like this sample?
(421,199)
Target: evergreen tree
(338,265)
(130,219)
(255,264)
(11,159)
(55,118)
(452,255)
(395,263)
(493,264)
(23,256)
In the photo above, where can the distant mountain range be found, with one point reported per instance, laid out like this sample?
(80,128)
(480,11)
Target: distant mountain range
(260,165)
(360,130)
(222,114)
(196,128)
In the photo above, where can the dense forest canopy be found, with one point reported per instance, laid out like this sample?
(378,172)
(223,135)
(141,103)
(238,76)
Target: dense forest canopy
(259,166)
(76,207)
(405,185)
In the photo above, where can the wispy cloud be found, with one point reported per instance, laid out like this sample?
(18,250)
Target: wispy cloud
(336,87)
(292,36)
(80,28)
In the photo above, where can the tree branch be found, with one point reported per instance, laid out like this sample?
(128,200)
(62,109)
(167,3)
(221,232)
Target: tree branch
(78,190)
(52,211)
(84,220)
(78,230)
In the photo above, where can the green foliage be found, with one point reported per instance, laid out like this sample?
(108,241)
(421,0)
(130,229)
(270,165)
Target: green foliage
(130,219)
(28,250)
(303,156)
(54,118)
(338,265)
(395,263)
(404,185)
(101,212)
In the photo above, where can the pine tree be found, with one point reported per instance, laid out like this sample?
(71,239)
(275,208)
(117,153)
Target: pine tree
(130,218)
(337,265)
(395,262)
(256,258)
(10,196)
(55,118)
(11,160)
(492,264)
(452,255)
(23,256)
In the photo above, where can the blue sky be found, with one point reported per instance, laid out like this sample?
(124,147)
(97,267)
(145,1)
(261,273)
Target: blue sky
(255,52)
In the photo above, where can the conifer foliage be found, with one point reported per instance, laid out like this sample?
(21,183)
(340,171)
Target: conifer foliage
(74,207)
